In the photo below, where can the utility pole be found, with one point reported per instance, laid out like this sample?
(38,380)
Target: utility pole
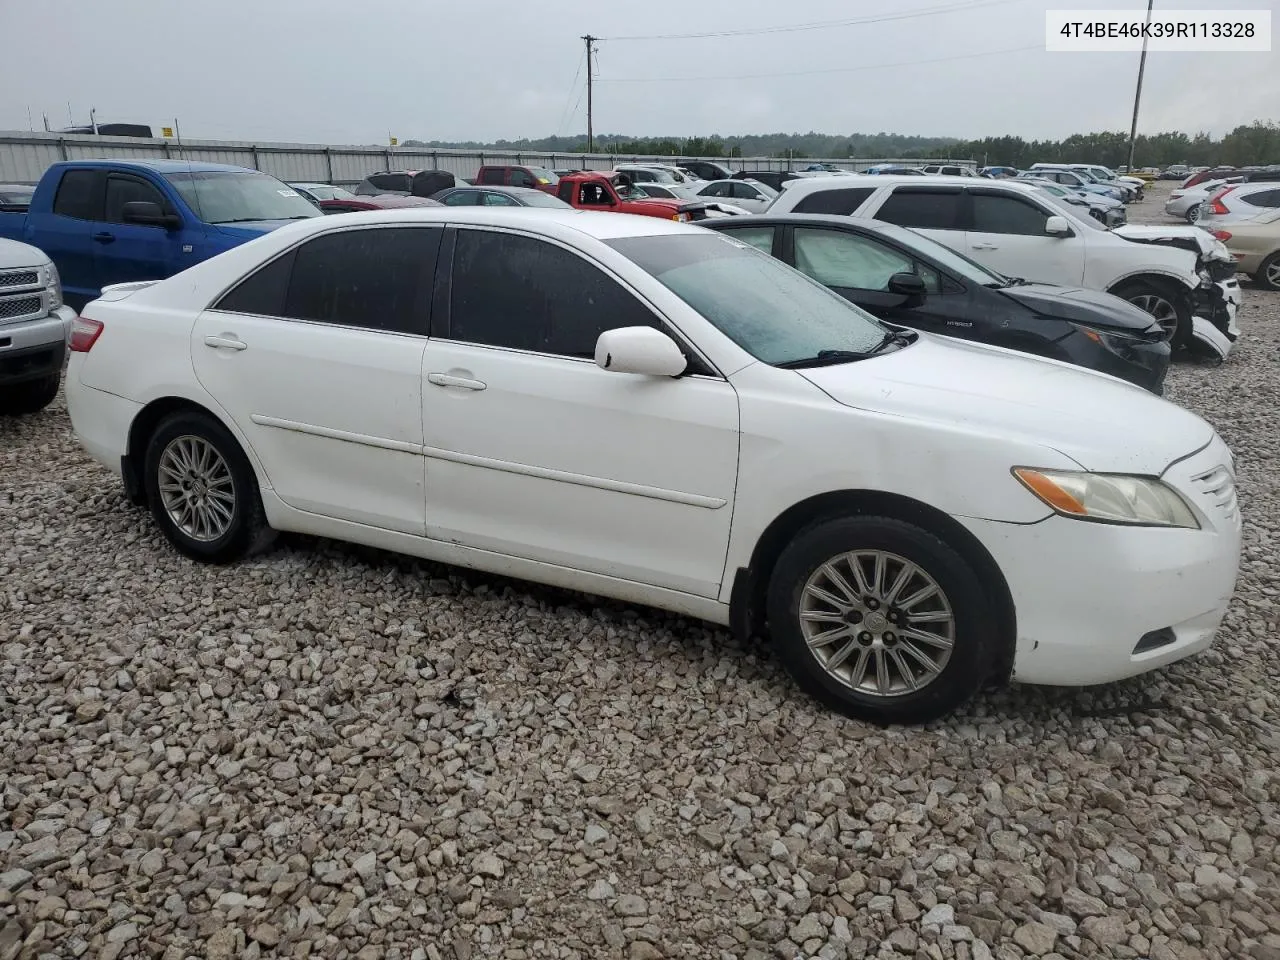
(590,42)
(1137,94)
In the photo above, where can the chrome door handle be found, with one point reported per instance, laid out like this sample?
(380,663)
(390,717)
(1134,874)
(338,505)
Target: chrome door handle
(229,343)
(446,380)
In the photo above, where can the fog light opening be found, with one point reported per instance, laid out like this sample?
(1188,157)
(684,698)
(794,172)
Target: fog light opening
(1155,640)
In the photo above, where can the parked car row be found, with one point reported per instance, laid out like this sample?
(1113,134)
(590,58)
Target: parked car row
(645,409)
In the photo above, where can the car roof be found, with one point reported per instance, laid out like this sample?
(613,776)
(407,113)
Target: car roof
(494,188)
(162,166)
(819,184)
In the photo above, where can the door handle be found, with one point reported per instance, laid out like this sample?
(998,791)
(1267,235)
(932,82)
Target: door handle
(446,380)
(104,237)
(229,343)
(985,246)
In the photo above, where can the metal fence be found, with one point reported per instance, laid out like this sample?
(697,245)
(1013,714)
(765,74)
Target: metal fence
(25,156)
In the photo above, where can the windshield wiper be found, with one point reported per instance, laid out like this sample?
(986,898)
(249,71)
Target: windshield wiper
(901,337)
(826,358)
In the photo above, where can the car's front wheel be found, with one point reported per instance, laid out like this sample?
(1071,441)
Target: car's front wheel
(202,490)
(880,619)
(1173,313)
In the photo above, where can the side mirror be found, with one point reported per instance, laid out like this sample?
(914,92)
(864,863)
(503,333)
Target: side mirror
(910,286)
(1057,227)
(148,214)
(641,350)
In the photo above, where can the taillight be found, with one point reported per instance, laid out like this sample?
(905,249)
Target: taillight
(1223,235)
(1216,204)
(84,334)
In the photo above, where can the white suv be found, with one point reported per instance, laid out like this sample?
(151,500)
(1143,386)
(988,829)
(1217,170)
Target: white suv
(1174,273)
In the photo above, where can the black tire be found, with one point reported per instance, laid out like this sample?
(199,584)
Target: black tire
(972,654)
(30,396)
(247,531)
(1193,215)
(1268,275)
(1139,292)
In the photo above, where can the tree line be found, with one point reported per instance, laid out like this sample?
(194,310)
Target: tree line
(1255,143)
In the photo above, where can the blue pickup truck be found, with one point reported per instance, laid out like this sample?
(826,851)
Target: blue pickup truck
(113,221)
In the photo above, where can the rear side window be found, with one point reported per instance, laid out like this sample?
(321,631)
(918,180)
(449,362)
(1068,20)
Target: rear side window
(924,209)
(493,176)
(262,292)
(839,202)
(76,195)
(1264,198)
(1000,214)
(391,181)
(527,294)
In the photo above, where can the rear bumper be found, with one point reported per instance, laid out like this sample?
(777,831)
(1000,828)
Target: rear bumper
(100,420)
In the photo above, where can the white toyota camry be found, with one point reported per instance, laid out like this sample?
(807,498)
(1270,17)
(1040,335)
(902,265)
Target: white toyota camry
(651,411)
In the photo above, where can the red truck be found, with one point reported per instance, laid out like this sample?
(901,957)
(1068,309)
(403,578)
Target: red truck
(615,193)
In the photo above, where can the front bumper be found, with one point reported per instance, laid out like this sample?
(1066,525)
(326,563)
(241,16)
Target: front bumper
(1140,363)
(1219,303)
(31,349)
(1087,594)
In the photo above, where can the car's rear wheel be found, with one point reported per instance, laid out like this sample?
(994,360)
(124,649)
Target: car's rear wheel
(202,490)
(30,396)
(880,619)
(1268,274)
(1173,313)
(1193,214)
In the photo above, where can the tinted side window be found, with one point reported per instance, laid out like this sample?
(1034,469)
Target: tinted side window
(995,214)
(527,294)
(492,176)
(925,209)
(75,196)
(759,237)
(379,279)
(462,198)
(839,202)
(262,292)
(522,178)
(1266,198)
(122,190)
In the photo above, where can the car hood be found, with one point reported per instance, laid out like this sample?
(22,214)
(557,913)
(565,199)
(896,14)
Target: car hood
(250,228)
(1102,423)
(14,255)
(1198,241)
(1090,307)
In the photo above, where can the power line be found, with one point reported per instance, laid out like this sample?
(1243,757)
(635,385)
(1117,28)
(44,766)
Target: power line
(810,73)
(572,86)
(820,25)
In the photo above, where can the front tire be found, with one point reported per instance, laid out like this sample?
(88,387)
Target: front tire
(31,396)
(880,620)
(202,490)
(1172,312)
(1268,274)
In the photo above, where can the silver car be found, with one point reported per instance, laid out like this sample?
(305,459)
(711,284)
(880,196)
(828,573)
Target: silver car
(1185,203)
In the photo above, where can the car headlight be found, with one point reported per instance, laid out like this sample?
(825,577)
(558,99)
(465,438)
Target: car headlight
(53,283)
(1108,497)
(1206,278)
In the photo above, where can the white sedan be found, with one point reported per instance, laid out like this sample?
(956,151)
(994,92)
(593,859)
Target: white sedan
(650,411)
(752,195)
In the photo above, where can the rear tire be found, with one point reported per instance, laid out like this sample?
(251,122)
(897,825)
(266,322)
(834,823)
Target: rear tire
(1173,312)
(202,490)
(1193,215)
(1268,274)
(873,652)
(31,396)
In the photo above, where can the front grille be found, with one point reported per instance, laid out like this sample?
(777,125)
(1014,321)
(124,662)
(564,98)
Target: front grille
(1222,269)
(19,278)
(15,307)
(1219,487)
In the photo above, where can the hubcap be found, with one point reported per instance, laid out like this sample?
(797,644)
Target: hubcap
(877,623)
(1194,213)
(1273,275)
(1165,313)
(196,488)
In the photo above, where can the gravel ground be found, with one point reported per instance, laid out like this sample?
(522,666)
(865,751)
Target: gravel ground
(336,752)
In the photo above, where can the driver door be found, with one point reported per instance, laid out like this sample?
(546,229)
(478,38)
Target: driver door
(1007,234)
(133,251)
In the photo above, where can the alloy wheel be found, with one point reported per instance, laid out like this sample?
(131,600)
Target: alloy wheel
(1273,275)
(196,488)
(1165,313)
(877,623)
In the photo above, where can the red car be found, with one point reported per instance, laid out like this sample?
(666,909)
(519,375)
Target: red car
(614,192)
(381,202)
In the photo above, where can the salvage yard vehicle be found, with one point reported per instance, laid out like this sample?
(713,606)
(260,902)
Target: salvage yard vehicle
(316,192)
(651,411)
(535,178)
(1236,203)
(905,278)
(1255,245)
(614,192)
(1075,180)
(1106,211)
(406,183)
(752,195)
(498,197)
(1187,203)
(104,222)
(1173,272)
(34,327)
(384,201)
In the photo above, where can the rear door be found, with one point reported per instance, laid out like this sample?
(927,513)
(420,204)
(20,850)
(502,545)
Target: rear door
(317,357)
(935,211)
(1007,234)
(133,251)
(64,234)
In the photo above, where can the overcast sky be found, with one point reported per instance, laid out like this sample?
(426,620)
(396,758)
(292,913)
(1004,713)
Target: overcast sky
(347,72)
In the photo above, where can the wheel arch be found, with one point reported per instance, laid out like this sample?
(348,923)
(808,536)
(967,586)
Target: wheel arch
(747,599)
(1167,281)
(144,425)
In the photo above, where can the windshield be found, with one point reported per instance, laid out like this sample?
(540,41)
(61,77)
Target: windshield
(218,196)
(322,191)
(628,190)
(16,195)
(544,176)
(775,313)
(536,198)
